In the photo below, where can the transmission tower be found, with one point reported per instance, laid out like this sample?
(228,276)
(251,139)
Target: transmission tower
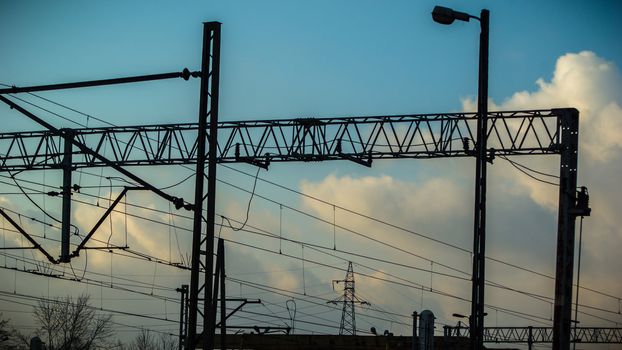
(348,299)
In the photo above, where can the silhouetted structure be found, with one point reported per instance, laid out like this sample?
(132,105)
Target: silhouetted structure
(348,299)
(358,139)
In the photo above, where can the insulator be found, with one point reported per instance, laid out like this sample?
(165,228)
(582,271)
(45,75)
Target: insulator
(466,143)
(185,74)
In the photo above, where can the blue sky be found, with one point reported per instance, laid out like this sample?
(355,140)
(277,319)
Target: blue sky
(284,59)
(328,58)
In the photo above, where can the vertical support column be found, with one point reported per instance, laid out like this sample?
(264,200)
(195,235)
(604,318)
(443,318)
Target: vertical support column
(214,28)
(415,339)
(223,296)
(568,123)
(217,273)
(479,221)
(208,106)
(66,213)
(186,309)
(182,310)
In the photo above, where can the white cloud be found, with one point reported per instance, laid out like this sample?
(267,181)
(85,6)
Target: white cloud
(584,81)
(437,204)
(593,85)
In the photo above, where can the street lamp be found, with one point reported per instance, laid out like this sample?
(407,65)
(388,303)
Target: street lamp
(460,322)
(446,16)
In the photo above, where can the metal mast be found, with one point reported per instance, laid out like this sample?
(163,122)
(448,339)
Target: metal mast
(357,139)
(203,248)
(479,221)
(348,299)
(262,142)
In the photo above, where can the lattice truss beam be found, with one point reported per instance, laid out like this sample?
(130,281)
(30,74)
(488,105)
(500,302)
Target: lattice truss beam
(358,139)
(593,335)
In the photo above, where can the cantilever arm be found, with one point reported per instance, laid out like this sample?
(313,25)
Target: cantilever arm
(244,302)
(185,74)
(179,202)
(101,220)
(30,239)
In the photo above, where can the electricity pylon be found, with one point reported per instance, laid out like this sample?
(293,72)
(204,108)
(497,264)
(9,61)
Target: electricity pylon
(349,298)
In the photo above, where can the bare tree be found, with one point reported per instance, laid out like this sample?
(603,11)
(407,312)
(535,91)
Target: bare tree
(168,342)
(68,324)
(144,341)
(11,338)
(4,334)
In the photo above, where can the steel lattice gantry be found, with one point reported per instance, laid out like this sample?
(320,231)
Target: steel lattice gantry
(533,335)
(358,139)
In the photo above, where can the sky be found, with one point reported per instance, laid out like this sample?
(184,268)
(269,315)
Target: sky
(291,59)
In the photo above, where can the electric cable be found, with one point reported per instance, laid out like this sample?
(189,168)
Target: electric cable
(401,281)
(232,168)
(262,179)
(528,174)
(66,107)
(60,275)
(528,168)
(46,110)
(402,228)
(503,287)
(251,198)
(248,207)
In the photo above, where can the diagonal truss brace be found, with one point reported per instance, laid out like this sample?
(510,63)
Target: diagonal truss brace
(359,139)
(265,142)
(531,335)
(101,220)
(35,244)
(67,135)
(511,133)
(239,307)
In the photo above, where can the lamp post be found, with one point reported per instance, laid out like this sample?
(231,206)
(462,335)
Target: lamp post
(460,322)
(444,15)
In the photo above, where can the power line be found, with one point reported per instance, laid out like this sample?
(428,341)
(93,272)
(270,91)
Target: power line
(89,281)
(342,208)
(528,168)
(396,226)
(328,249)
(32,297)
(66,107)
(292,294)
(317,218)
(249,203)
(519,167)
(321,247)
(347,210)
(404,282)
(507,288)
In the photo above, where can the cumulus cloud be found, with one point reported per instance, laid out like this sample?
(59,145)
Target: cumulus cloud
(423,206)
(593,85)
(387,197)
(582,80)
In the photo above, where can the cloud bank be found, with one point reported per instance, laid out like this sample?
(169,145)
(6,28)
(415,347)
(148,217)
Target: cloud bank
(581,80)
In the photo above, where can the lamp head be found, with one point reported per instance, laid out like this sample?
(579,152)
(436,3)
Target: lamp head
(445,15)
